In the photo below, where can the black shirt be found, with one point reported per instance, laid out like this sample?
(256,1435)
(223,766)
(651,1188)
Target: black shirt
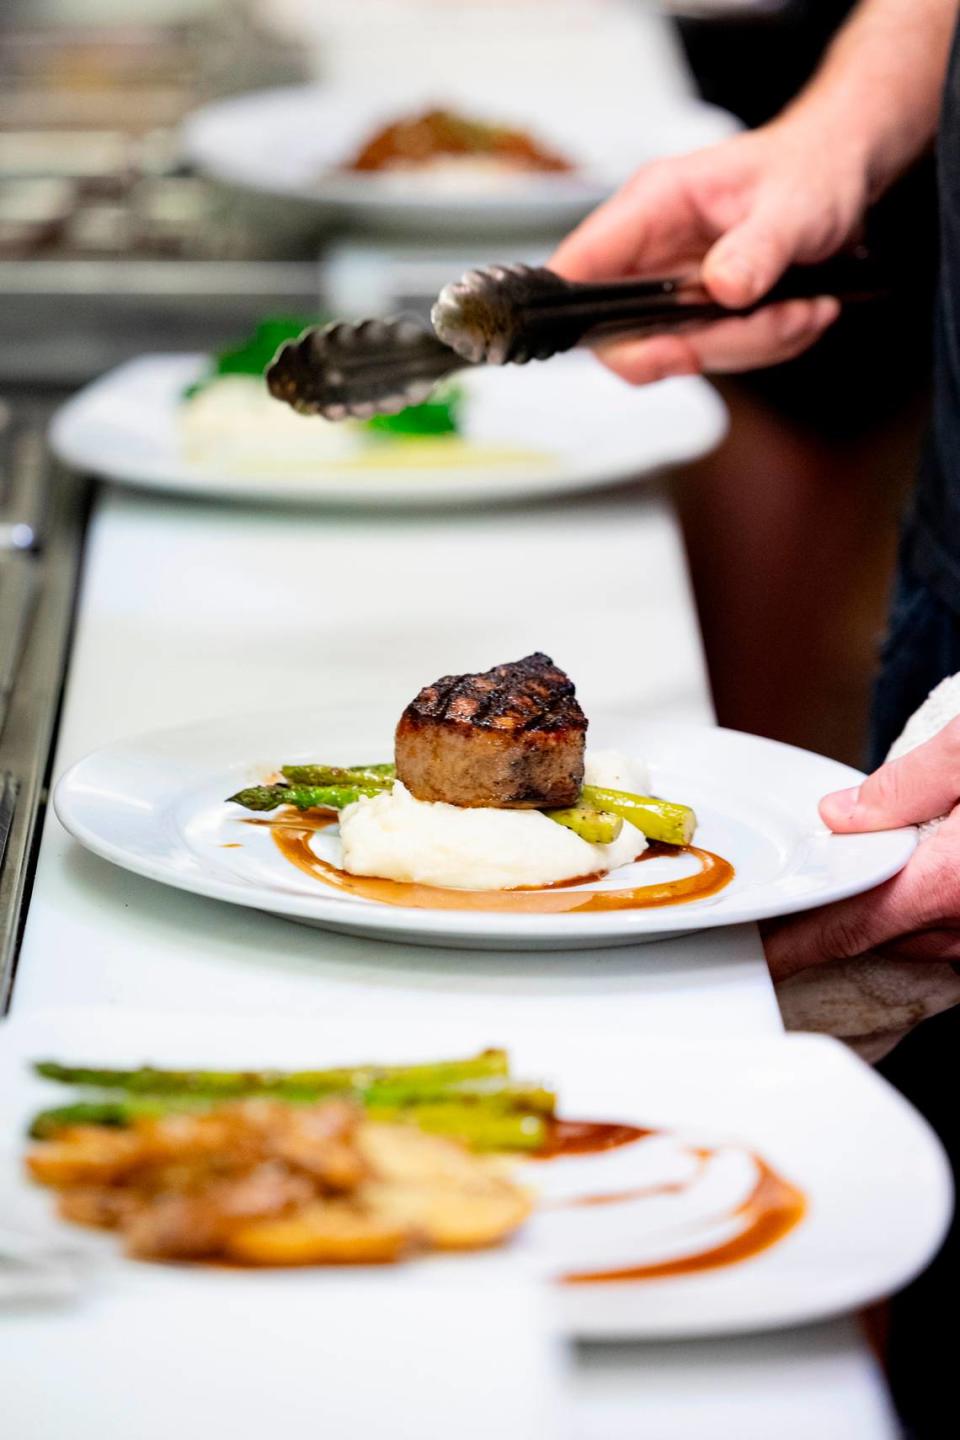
(933,536)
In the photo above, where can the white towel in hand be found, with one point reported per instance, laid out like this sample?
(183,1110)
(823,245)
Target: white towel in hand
(872,1001)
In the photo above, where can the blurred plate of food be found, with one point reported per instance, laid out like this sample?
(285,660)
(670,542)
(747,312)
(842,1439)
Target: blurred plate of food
(661,1189)
(428,167)
(208,426)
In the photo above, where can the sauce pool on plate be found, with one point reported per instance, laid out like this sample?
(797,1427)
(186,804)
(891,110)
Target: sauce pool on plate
(292,832)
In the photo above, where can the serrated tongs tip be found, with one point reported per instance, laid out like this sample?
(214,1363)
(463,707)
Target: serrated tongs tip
(359,369)
(483,315)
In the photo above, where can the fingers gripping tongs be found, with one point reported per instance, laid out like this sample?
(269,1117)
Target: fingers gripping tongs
(507,315)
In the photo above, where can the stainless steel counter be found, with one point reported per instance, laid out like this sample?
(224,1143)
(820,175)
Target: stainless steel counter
(42,518)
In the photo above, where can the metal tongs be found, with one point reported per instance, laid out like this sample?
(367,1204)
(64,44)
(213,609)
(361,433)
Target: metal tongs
(507,315)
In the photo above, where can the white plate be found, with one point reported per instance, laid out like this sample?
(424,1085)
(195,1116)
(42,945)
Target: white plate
(874,1177)
(154,804)
(590,429)
(290,142)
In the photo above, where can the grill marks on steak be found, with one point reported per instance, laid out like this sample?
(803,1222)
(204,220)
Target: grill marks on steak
(528,694)
(510,737)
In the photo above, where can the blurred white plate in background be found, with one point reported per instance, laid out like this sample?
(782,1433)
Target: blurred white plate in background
(583,429)
(293,142)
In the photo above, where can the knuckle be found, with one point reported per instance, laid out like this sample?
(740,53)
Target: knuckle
(823,232)
(811,222)
(940,893)
(885,789)
(843,934)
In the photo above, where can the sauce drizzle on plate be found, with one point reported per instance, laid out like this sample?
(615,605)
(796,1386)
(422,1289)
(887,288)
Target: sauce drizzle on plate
(292,832)
(770,1212)
(772,1209)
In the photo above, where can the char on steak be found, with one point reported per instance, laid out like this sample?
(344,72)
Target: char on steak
(511,737)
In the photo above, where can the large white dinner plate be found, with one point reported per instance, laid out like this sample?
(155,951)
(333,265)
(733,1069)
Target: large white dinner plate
(292,141)
(155,804)
(873,1176)
(590,429)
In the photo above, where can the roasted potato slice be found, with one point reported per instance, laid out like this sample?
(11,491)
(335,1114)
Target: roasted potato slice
(452,1217)
(407,1154)
(84,1155)
(326,1233)
(453,1199)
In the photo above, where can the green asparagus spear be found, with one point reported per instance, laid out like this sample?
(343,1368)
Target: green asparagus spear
(474,1126)
(116,1114)
(494,1096)
(148,1080)
(380,776)
(304,797)
(597,827)
(476,1097)
(478,1125)
(597,818)
(663,820)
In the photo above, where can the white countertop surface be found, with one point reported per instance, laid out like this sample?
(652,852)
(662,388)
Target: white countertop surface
(193,610)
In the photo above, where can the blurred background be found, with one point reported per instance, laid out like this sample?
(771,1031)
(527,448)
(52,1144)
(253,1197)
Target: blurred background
(137,213)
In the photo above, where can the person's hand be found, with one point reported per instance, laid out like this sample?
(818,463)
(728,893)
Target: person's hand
(914,916)
(736,215)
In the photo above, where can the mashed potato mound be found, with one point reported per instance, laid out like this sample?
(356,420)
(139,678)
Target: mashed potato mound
(235,421)
(398,837)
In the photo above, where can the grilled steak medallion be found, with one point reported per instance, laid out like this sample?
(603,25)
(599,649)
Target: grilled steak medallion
(511,738)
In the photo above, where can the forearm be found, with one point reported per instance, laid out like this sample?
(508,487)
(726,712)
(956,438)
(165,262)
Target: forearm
(878,89)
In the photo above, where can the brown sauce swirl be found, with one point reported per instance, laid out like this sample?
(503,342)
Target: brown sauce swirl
(291,833)
(587,1137)
(771,1211)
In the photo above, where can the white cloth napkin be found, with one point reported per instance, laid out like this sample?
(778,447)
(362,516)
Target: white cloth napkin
(872,1001)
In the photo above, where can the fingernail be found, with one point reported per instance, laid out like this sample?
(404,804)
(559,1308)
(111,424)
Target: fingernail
(842,804)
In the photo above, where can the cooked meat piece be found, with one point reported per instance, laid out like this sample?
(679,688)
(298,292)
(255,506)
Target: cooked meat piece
(416,140)
(511,738)
(320,1140)
(267,1189)
(106,1207)
(176,1227)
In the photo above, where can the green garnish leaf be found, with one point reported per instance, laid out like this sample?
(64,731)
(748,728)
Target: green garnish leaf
(440,415)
